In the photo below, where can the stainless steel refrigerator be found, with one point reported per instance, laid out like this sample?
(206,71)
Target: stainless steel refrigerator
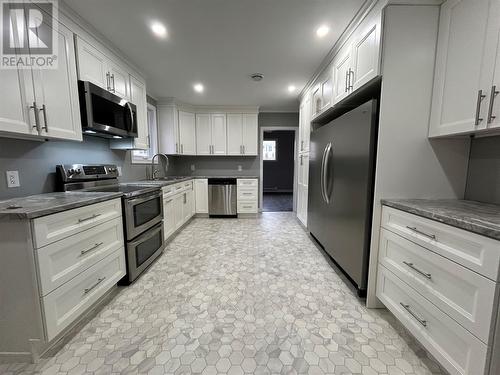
(341,176)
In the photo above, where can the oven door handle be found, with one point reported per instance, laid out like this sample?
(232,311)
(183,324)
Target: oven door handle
(134,201)
(146,236)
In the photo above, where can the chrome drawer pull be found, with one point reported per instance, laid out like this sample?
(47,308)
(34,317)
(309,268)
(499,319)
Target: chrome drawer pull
(480,97)
(425,274)
(431,236)
(89,218)
(99,280)
(494,93)
(92,248)
(407,308)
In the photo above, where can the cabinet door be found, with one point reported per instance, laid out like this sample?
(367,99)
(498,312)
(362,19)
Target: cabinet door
(341,66)
(187,133)
(203,134)
(56,92)
(458,77)
(138,97)
(250,134)
(201,196)
(493,116)
(168,217)
(234,134)
(178,210)
(219,133)
(92,64)
(365,53)
(188,205)
(168,129)
(307,124)
(119,80)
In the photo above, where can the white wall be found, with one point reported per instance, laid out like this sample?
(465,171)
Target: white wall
(409,165)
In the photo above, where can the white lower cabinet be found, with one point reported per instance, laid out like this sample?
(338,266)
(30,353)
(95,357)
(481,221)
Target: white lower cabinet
(201,195)
(441,282)
(178,206)
(302,187)
(247,196)
(65,304)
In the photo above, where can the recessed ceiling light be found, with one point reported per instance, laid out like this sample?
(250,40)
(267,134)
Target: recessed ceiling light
(159,29)
(322,31)
(198,87)
(291,88)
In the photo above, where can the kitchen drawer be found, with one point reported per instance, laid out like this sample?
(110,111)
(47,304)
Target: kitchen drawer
(51,228)
(168,191)
(247,207)
(188,185)
(471,250)
(178,188)
(60,261)
(247,194)
(247,182)
(466,296)
(456,349)
(65,304)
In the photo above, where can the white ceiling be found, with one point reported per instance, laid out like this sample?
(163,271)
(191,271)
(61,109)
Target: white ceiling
(220,43)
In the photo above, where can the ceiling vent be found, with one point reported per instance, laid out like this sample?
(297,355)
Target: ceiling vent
(257,77)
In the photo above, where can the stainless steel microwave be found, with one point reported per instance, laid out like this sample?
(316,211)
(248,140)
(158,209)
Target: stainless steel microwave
(105,114)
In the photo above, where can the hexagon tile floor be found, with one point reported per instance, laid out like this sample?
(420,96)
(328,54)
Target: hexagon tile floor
(238,296)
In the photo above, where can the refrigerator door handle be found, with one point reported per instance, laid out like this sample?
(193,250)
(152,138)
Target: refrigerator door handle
(328,150)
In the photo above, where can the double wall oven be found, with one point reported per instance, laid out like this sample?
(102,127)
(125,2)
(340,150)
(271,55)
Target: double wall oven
(142,211)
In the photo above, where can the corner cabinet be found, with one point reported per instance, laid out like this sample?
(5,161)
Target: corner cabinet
(466,80)
(43,103)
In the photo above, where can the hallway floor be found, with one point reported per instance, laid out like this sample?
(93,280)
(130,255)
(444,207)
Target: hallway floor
(277,202)
(238,296)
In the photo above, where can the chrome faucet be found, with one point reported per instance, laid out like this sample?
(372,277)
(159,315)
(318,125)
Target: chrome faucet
(154,171)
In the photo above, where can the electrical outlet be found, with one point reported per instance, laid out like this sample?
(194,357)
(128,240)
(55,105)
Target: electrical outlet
(12,179)
(119,169)
(240,168)
(193,168)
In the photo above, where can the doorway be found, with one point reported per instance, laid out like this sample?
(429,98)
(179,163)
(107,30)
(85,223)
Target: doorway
(278,170)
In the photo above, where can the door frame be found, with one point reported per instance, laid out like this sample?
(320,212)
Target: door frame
(263,129)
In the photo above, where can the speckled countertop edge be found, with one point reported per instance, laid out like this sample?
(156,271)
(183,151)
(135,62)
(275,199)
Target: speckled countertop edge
(162,183)
(475,217)
(34,206)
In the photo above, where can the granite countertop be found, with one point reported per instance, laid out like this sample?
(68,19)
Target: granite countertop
(177,179)
(34,206)
(476,217)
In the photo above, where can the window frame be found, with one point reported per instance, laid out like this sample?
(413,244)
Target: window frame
(275,140)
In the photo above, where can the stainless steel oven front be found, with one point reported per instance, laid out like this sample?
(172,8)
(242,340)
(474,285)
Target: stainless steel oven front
(143,250)
(142,213)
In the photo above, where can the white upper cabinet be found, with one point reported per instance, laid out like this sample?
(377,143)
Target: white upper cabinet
(203,134)
(304,123)
(365,52)
(341,71)
(101,69)
(493,115)
(467,42)
(138,97)
(322,93)
(234,134)
(168,129)
(218,133)
(187,133)
(250,134)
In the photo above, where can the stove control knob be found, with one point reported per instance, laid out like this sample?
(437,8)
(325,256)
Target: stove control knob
(71,171)
(78,171)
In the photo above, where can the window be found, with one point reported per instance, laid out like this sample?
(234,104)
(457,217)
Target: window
(145,156)
(269,150)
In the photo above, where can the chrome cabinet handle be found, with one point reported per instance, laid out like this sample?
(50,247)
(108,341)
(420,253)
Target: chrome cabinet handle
(351,86)
(92,248)
(44,111)
(408,308)
(431,236)
(480,97)
(425,274)
(88,218)
(113,79)
(494,93)
(185,198)
(346,78)
(301,159)
(108,82)
(301,145)
(176,148)
(36,115)
(99,280)
(182,148)
(244,151)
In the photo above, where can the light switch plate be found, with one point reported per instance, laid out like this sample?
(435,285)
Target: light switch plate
(240,168)
(12,179)
(193,168)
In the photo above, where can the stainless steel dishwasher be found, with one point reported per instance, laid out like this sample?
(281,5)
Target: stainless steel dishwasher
(222,197)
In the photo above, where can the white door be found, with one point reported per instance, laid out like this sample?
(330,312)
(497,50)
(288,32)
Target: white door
(365,53)
(302,187)
(178,210)
(459,80)
(250,134)
(187,133)
(218,134)
(201,196)
(203,134)
(56,92)
(341,71)
(119,81)
(234,134)
(493,116)
(168,217)
(92,64)
(138,97)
